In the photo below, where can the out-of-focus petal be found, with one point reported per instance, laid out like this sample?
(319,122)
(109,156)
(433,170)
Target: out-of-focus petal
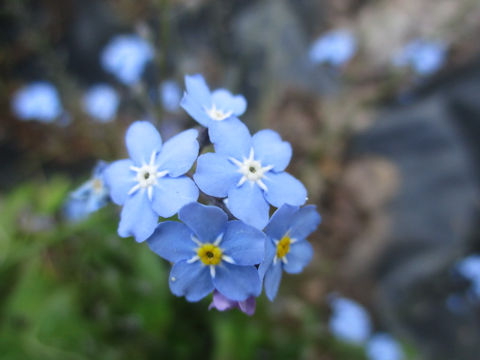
(273,277)
(224,100)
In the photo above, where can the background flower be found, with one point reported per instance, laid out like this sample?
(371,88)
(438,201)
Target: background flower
(335,47)
(350,322)
(37,101)
(101,102)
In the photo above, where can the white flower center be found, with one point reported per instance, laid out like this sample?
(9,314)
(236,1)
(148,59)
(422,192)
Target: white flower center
(147,176)
(252,170)
(217,114)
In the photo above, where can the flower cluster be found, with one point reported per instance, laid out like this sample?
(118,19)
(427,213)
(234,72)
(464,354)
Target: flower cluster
(229,246)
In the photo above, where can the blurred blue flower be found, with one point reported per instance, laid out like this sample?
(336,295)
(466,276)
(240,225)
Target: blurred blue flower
(38,101)
(152,183)
(425,57)
(125,56)
(383,346)
(210,108)
(336,47)
(89,197)
(209,252)
(349,322)
(286,247)
(170,94)
(249,171)
(101,102)
(470,269)
(221,303)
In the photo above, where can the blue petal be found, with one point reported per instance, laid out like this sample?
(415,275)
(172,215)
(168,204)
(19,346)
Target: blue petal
(298,257)
(172,241)
(119,179)
(237,282)
(224,100)
(137,217)
(190,280)
(171,194)
(270,252)
(304,222)
(231,138)
(271,150)
(198,89)
(179,153)
(195,109)
(215,174)
(273,276)
(280,222)
(142,140)
(247,203)
(207,222)
(243,243)
(283,188)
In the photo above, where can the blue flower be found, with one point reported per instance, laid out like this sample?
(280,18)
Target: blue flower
(125,56)
(89,197)
(384,347)
(210,108)
(336,47)
(39,101)
(101,102)
(469,268)
(286,247)
(425,57)
(151,182)
(249,171)
(170,95)
(210,253)
(349,322)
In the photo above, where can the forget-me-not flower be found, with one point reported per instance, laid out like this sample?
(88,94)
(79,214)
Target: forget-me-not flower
(125,56)
(286,247)
(425,57)
(152,182)
(89,197)
(37,101)
(350,322)
(210,108)
(336,47)
(383,346)
(221,303)
(209,252)
(469,268)
(249,171)
(101,102)
(170,95)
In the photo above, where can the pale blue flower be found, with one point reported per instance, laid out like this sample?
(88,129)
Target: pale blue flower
(335,47)
(209,252)
(350,322)
(170,94)
(249,171)
(152,182)
(101,102)
(425,57)
(383,346)
(286,247)
(37,101)
(470,269)
(125,56)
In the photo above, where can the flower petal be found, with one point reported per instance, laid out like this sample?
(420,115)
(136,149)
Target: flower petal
(207,222)
(119,180)
(215,174)
(198,89)
(243,243)
(283,188)
(142,140)
(195,109)
(223,99)
(247,203)
(248,306)
(190,280)
(271,150)
(280,222)
(273,276)
(237,282)
(231,138)
(170,194)
(179,153)
(137,217)
(172,241)
(270,252)
(298,257)
(221,303)
(304,222)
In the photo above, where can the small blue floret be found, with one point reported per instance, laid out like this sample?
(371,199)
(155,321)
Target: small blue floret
(37,101)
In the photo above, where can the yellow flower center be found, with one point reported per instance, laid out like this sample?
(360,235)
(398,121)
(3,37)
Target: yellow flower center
(283,246)
(210,254)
